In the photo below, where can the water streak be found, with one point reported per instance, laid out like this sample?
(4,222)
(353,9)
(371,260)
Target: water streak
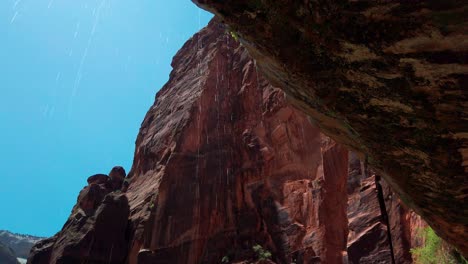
(14,17)
(50,4)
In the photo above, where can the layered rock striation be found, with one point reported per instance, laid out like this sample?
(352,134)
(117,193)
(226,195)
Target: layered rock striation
(381,228)
(385,78)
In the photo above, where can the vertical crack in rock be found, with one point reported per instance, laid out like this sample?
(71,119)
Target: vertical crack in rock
(385,217)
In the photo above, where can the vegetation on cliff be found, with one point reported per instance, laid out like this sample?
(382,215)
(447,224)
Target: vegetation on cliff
(435,250)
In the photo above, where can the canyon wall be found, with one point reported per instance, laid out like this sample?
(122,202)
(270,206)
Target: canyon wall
(224,163)
(376,217)
(385,78)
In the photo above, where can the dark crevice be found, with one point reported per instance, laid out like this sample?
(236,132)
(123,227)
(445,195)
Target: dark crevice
(383,207)
(385,218)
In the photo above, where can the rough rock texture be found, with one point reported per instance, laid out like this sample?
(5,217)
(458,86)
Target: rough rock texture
(7,255)
(368,240)
(96,231)
(20,244)
(235,165)
(222,164)
(385,78)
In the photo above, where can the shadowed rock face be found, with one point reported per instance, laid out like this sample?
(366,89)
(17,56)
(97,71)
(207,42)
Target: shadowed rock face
(96,231)
(385,78)
(368,239)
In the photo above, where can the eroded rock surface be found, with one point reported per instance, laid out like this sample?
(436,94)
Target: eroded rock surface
(223,163)
(385,78)
(96,231)
(369,230)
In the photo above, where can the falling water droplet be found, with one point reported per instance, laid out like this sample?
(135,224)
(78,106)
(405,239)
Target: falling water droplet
(50,4)
(57,78)
(16,4)
(14,17)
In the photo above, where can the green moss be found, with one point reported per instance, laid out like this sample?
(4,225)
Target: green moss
(435,250)
(262,254)
(225,259)
(234,35)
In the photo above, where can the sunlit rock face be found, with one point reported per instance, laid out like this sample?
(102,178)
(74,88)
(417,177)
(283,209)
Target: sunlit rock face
(223,163)
(385,78)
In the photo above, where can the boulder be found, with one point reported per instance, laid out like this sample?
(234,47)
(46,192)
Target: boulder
(98,179)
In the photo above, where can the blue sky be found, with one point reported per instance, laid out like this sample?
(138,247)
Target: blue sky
(77,78)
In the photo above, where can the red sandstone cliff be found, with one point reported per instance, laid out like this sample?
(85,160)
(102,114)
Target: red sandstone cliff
(386,78)
(222,163)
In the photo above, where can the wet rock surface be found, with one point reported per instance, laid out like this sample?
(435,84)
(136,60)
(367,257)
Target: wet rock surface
(385,78)
(223,163)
